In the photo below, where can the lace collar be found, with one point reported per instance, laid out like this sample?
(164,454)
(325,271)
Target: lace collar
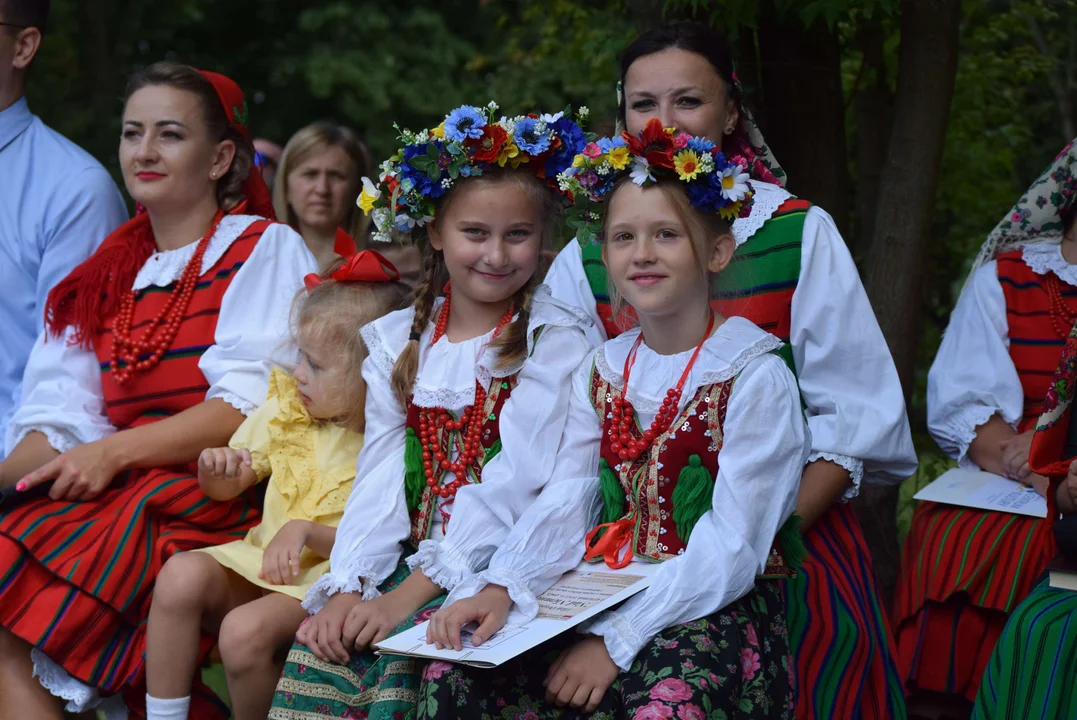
(1045,257)
(448,371)
(733,345)
(164,268)
(767,199)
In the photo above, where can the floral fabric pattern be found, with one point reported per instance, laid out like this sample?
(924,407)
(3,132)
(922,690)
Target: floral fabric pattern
(732,665)
(1060,393)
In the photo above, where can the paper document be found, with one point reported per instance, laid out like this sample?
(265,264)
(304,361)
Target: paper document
(579,594)
(984,491)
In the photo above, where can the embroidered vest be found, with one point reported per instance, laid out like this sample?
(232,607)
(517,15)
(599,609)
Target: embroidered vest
(500,390)
(1035,346)
(176,383)
(757,285)
(649,483)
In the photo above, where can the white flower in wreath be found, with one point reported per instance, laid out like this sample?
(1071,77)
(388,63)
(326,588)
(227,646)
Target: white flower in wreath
(734,183)
(641,171)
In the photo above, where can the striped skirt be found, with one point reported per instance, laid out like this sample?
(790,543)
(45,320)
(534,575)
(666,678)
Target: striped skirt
(1032,670)
(845,662)
(963,572)
(77,577)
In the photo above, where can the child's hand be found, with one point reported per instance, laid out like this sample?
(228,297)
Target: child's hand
(323,631)
(372,621)
(216,464)
(490,608)
(280,559)
(581,675)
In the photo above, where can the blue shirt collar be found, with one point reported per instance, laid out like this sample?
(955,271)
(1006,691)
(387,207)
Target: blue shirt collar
(13,121)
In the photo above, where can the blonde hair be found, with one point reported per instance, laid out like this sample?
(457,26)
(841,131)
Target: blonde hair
(701,227)
(511,343)
(312,139)
(333,312)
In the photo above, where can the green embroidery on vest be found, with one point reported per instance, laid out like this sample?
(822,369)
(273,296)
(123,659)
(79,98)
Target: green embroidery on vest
(414,477)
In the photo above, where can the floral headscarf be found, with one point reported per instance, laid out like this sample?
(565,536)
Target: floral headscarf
(1040,214)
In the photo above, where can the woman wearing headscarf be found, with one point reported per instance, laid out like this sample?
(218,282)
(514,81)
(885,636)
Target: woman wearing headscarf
(156,347)
(965,570)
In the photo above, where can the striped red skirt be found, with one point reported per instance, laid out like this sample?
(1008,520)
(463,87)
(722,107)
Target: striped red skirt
(963,573)
(845,662)
(78,577)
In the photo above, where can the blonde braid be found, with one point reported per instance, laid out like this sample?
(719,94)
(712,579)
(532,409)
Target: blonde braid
(407,365)
(511,344)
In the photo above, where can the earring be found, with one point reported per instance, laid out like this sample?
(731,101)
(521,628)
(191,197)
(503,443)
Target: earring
(729,131)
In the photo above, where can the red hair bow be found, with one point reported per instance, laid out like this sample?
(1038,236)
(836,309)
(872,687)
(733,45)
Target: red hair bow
(365,266)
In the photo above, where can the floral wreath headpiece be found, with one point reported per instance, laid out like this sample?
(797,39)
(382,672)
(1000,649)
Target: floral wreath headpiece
(468,143)
(713,182)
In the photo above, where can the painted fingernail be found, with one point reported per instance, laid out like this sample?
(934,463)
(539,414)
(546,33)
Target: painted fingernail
(20,487)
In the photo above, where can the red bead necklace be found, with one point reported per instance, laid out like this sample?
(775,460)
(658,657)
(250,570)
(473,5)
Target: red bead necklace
(1062,317)
(626,446)
(143,354)
(437,460)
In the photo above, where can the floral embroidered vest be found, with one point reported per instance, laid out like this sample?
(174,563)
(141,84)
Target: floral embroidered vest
(649,482)
(499,392)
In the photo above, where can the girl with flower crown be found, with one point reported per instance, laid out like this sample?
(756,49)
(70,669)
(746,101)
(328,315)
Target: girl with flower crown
(468,386)
(965,570)
(684,445)
(792,275)
(305,438)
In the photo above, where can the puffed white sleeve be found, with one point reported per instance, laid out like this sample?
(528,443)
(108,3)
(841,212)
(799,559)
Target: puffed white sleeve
(759,469)
(531,425)
(375,521)
(973,376)
(253,327)
(548,539)
(855,405)
(61,396)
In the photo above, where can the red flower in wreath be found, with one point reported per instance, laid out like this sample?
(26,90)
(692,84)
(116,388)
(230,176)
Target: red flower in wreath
(654,144)
(488,147)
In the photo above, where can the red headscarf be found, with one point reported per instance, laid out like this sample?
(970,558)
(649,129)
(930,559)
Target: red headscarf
(92,291)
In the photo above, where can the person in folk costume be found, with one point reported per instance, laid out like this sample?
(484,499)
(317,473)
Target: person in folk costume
(1030,673)
(305,439)
(468,385)
(792,275)
(155,348)
(689,432)
(965,570)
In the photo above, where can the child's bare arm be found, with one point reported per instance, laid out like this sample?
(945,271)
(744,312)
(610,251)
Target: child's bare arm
(320,539)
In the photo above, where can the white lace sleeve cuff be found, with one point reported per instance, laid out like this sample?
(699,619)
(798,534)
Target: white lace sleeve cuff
(526,601)
(956,434)
(244,406)
(331,583)
(61,440)
(440,563)
(623,643)
(854,467)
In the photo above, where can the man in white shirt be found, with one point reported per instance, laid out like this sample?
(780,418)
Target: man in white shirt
(56,202)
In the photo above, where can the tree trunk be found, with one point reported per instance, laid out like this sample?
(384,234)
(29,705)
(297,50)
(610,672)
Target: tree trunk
(872,103)
(805,109)
(906,208)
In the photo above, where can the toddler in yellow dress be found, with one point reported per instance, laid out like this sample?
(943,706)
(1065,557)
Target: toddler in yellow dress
(305,439)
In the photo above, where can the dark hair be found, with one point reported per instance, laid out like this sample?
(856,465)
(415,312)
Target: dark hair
(691,37)
(31,13)
(185,77)
(511,344)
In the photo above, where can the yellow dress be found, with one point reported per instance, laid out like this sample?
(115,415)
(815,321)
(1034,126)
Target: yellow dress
(310,466)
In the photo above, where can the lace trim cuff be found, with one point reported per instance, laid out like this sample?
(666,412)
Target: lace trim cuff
(854,467)
(623,643)
(960,430)
(60,439)
(237,402)
(330,584)
(80,697)
(526,602)
(434,560)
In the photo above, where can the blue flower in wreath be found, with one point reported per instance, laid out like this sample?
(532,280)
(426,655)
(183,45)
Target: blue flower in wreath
(464,122)
(572,143)
(700,145)
(413,169)
(531,135)
(705,193)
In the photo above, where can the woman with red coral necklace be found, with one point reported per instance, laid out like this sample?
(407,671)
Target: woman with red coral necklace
(156,347)
(964,570)
(466,390)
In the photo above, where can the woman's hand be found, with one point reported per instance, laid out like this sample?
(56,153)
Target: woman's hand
(371,622)
(490,609)
(280,559)
(323,631)
(1015,456)
(81,473)
(581,675)
(1067,491)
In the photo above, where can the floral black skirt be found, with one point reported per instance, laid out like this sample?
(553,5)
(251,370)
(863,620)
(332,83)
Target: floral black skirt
(734,664)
